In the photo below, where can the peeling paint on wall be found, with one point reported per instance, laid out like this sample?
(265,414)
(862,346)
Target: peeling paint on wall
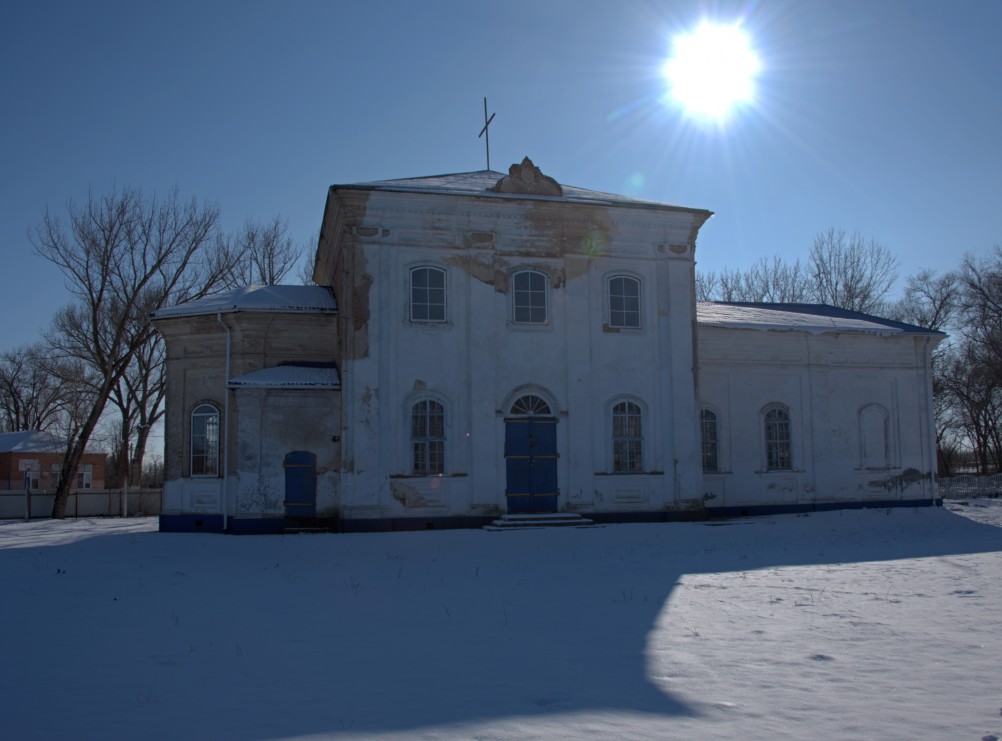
(909,477)
(409,495)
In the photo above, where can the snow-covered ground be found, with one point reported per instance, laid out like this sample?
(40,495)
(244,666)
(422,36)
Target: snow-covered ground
(844,625)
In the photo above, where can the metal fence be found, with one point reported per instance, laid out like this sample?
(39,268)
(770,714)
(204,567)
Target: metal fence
(20,505)
(970,487)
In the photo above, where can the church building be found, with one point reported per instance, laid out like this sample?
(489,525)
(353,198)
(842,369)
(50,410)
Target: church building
(497,348)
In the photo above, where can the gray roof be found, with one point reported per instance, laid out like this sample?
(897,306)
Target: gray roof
(811,318)
(280,299)
(35,441)
(481,182)
(293,375)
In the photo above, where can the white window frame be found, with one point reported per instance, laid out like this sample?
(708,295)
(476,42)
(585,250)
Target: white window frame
(30,469)
(531,291)
(622,322)
(778,447)
(424,316)
(427,437)
(627,436)
(204,412)
(85,476)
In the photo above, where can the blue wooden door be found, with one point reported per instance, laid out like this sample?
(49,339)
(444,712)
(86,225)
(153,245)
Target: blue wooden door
(300,484)
(530,450)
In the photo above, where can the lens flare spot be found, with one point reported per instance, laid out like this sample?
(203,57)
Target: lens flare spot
(594,243)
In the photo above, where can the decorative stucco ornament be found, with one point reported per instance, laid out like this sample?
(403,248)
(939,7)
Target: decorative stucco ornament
(526,178)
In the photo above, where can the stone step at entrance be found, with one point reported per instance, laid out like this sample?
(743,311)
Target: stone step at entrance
(524,522)
(307,525)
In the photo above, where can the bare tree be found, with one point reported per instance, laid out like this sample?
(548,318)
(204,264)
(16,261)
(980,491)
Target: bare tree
(850,272)
(265,252)
(768,280)
(732,284)
(981,303)
(776,281)
(309,263)
(930,300)
(31,397)
(139,399)
(122,256)
(974,391)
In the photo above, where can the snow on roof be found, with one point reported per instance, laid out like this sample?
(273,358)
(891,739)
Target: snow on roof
(284,299)
(481,182)
(812,318)
(34,441)
(301,375)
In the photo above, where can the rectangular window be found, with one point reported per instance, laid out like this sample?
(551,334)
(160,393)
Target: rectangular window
(624,302)
(428,437)
(427,295)
(30,472)
(84,476)
(708,430)
(529,297)
(627,439)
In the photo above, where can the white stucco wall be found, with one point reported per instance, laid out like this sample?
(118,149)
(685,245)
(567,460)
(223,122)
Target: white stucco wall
(479,360)
(834,387)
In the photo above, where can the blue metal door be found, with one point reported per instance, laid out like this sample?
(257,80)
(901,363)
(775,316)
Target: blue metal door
(300,484)
(530,451)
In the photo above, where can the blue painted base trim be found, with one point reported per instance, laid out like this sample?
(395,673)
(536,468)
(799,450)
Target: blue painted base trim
(191,523)
(756,510)
(187,523)
(256,525)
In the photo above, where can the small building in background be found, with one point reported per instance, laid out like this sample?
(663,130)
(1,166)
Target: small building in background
(33,459)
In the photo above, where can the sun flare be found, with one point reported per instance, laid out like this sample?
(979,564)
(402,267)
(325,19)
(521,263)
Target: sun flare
(712,69)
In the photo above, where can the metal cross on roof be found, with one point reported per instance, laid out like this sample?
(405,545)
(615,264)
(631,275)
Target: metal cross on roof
(486,134)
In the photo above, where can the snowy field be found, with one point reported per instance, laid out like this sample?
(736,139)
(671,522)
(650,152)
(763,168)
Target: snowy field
(845,625)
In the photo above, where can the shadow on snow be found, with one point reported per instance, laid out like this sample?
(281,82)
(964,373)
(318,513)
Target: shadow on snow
(268,637)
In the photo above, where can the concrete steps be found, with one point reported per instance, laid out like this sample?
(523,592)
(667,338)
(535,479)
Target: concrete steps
(525,522)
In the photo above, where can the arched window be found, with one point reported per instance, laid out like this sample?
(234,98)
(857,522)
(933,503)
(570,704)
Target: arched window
(427,295)
(624,302)
(428,437)
(529,297)
(627,438)
(708,440)
(530,405)
(778,456)
(205,441)
(874,440)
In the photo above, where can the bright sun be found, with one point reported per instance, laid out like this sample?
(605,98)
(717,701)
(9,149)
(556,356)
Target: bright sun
(712,69)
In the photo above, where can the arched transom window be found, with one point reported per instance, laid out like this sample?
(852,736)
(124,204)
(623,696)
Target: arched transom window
(530,405)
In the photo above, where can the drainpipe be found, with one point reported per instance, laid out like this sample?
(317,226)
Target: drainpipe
(226,426)
(930,415)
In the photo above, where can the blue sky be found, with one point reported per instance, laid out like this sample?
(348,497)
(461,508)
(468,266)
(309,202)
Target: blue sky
(878,116)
